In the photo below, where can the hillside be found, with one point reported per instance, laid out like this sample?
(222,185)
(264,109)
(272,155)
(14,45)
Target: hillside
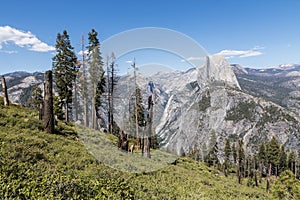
(37,165)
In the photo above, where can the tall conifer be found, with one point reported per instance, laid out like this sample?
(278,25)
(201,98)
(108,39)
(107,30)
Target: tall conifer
(65,69)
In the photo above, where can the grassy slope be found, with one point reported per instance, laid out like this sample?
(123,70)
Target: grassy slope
(37,165)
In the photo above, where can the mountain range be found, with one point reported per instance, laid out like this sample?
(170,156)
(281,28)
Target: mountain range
(203,106)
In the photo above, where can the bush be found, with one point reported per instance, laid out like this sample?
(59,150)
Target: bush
(286,186)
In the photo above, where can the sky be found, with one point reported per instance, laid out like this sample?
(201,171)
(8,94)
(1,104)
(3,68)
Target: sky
(252,33)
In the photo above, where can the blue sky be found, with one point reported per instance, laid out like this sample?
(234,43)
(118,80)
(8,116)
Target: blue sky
(253,33)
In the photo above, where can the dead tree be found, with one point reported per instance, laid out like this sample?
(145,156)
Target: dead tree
(48,103)
(268,178)
(138,142)
(4,90)
(147,139)
(123,142)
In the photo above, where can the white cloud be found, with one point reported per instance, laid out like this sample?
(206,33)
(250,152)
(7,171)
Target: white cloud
(85,52)
(193,58)
(251,54)
(242,53)
(129,61)
(22,39)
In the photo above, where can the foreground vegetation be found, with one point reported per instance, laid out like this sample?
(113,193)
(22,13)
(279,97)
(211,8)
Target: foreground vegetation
(38,165)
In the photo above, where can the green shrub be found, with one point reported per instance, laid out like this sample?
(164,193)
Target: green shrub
(286,186)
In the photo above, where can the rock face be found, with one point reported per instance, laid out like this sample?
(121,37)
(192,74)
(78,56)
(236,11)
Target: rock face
(205,106)
(217,69)
(19,85)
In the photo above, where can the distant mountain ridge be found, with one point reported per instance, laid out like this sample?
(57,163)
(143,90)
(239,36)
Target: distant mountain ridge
(280,70)
(20,83)
(280,84)
(215,100)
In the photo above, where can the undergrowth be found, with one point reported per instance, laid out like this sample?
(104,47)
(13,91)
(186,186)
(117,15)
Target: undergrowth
(38,165)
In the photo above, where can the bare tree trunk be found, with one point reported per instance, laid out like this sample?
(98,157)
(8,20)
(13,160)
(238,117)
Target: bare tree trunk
(67,111)
(255,178)
(146,148)
(108,97)
(112,86)
(268,178)
(94,121)
(261,172)
(138,143)
(296,168)
(4,90)
(239,176)
(255,173)
(41,110)
(48,102)
(75,102)
(84,87)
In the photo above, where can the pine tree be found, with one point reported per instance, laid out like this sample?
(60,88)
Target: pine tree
(37,100)
(95,70)
(241,160)
(282,160)
(98,99)
(234,153)
(65,69)
(140,109)
(57,107)
(262,154)
(212,158)
(227,151)
(273,152)
(82,80)
(36,97)
(112,84)
(262,158)
(292,161)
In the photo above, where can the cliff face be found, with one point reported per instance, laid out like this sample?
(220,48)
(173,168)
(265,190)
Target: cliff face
(206,105)
(217,69)
(19,85)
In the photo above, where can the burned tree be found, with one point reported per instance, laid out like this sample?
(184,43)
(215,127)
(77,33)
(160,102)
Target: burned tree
(48,103)
(123,142)
(4,90)
(147,138)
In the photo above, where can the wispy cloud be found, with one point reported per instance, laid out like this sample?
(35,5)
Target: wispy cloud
(192,58)
(129,61)
(22,39)
(8,52)
(242,53)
